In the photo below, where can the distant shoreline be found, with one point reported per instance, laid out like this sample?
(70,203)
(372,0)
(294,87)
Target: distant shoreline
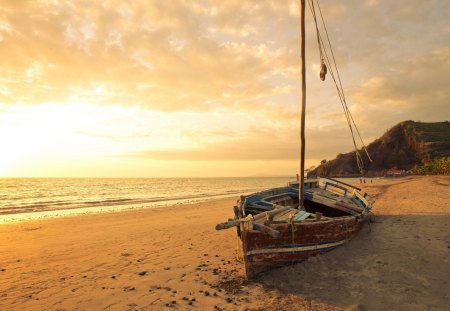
(44,198)
(73,212)
(130,205)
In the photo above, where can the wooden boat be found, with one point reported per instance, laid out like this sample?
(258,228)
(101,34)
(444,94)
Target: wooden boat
(273,231)
(307,217)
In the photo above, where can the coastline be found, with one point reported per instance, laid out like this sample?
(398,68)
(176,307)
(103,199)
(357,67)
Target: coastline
(164,257)
(84,211)
(112,206)
(27,198)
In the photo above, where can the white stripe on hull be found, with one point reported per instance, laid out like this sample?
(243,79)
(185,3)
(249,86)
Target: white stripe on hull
(295,249)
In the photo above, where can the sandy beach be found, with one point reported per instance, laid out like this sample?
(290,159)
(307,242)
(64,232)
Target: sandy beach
(172,258)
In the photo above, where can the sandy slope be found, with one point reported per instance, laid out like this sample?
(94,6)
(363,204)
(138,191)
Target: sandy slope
(172,258)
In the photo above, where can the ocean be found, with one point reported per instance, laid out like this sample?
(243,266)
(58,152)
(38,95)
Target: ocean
(35,198)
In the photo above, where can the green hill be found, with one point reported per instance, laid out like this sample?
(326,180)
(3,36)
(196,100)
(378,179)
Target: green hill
(405,146)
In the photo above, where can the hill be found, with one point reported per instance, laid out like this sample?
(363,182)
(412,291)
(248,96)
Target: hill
(405,146)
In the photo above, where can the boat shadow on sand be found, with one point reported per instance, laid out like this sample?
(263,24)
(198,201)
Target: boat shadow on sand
(397,262)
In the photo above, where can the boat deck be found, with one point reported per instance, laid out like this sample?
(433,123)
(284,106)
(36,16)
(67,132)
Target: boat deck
(337,200)
(330,195)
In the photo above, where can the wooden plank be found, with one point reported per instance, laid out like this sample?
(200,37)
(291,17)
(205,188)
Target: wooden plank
(228,224)
(283,215)
(323,200)
(301,215)
(350,206)
(272,212)
(267,230)
(345,209)
(341,182)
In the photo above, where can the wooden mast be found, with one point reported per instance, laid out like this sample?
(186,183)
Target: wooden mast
(302,122)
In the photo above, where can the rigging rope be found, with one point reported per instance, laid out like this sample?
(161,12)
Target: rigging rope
(337,71)
(323,67)
(325,62)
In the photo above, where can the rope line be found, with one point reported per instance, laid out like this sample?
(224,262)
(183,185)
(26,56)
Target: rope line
(339,78)
(325,59)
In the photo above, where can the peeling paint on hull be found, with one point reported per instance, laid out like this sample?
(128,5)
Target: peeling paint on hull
(263,252)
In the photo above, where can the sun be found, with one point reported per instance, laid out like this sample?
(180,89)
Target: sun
(32,136)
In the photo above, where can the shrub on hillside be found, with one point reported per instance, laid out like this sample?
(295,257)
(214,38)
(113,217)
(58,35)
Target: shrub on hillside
(437,166)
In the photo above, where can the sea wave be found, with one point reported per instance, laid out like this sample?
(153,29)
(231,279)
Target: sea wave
(55,195)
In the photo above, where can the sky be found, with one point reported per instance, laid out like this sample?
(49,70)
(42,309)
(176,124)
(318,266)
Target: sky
(207,88)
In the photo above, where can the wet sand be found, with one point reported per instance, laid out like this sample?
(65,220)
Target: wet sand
(172,258)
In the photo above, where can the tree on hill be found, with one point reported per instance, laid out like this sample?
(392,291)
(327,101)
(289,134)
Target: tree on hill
(436,167)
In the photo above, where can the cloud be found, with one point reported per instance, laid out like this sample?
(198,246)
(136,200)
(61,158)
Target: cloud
(264,144)
(419,93)
(59,51)
(206,59)
(224,153)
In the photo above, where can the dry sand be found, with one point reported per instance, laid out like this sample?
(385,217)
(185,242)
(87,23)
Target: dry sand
(172,258)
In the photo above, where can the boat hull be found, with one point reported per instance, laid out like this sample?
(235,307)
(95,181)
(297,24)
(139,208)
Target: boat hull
(275,229)
(297,241)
